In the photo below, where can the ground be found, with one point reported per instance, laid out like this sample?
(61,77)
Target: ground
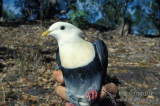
(27,62)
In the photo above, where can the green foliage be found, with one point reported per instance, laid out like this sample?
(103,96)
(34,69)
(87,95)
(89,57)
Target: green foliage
(81,0)
(109,13)
(113,11)
(138,15)
(128,16)
(78,18)
(155,15)
(8,15)
(102,22)
(37,9)
(139,20)
(147,21)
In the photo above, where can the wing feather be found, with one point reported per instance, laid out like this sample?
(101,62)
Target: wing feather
(103,57)
(58,66)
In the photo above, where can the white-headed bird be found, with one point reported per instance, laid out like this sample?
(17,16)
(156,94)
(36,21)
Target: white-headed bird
(84,64)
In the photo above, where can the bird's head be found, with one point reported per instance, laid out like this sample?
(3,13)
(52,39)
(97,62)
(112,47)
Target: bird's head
(63,31)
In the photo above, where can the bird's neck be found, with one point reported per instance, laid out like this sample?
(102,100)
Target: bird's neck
(76,53)
(70,41)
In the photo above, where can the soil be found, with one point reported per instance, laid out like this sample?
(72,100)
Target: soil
(27,62)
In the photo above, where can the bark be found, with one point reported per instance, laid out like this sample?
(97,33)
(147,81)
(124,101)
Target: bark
(125,27)
(22,9)
(123,22)
(1,8)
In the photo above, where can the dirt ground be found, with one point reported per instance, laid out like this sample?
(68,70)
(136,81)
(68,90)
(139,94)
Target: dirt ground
(27,62)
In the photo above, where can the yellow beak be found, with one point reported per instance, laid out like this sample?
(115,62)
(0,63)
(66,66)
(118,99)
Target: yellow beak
(45,33)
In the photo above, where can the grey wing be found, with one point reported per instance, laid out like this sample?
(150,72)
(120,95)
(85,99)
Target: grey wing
(103,57)
(58,66)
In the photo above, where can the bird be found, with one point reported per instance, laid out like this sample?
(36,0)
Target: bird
(83,63)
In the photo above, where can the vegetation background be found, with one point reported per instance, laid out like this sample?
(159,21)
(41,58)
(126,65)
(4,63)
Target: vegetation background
(130,29)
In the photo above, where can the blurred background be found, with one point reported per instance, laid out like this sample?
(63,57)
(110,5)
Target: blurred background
(142,15)
(129,28)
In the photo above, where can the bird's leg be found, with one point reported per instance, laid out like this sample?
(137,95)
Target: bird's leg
(71,104)
(92,95)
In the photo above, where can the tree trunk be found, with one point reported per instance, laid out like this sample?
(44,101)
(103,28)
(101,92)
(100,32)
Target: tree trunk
(125,27)
(1,8)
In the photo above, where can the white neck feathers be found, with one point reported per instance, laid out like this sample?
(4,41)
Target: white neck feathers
(76,53)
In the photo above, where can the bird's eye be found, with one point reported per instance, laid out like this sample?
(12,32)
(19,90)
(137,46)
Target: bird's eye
(62,27)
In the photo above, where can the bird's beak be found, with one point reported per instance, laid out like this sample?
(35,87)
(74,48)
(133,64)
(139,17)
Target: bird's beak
(45,33)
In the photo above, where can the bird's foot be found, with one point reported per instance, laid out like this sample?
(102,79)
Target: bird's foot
(92,95)
(71,104)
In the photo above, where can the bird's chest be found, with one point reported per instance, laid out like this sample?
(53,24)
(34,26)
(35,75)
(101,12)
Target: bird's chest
(73,56)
